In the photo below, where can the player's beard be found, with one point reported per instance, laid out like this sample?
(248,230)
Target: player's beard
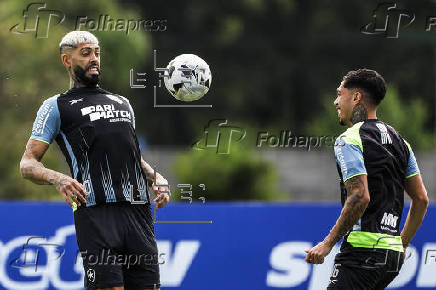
(80,76)
(341,121)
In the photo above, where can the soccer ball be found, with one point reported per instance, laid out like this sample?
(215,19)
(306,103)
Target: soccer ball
(187,77)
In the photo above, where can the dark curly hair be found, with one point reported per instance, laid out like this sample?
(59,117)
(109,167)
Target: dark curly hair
(369,81)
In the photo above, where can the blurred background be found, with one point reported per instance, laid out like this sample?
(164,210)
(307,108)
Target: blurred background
(275,64)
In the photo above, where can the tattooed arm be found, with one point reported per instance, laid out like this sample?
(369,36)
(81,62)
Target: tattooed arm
(354,207)
(162,191)
(32,169)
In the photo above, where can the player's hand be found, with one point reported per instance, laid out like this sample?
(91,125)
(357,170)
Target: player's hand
(161,189)
(71,190)
(405,246)
(316,254)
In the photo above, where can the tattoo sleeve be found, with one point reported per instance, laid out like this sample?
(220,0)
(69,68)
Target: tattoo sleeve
(32,169)
(354,207)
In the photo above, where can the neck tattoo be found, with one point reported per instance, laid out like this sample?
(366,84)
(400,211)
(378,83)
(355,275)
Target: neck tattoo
(359,114)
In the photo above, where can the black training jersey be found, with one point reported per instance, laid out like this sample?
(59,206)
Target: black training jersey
(95,130)
(376,149)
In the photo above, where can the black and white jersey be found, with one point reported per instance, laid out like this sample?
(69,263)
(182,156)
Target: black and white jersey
(95,130)
(377,150)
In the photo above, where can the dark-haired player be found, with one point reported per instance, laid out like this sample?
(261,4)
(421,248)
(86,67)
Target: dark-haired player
(95,130)
(375,166)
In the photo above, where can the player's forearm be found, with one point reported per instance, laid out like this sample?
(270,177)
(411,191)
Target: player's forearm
(353,209)
(417,211)
(350,215)
(37,173)
(148,170)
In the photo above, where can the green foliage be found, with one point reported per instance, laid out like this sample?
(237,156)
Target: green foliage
(36,73)
(240,175)
(408,118)
(326,123)
(270,60)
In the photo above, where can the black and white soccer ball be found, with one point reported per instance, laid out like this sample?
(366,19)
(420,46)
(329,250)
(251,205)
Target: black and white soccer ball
(187,77)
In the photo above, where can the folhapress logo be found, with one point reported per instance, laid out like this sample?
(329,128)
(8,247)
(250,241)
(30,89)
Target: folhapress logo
(37,19)
(387,20)
(389,220)
(28,262)
(218,134)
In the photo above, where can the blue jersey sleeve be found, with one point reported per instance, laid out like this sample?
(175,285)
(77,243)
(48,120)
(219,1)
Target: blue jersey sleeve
(47,123)
(349,157)
(412,167)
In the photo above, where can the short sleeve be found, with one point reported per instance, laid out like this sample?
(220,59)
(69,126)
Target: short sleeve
(412,166)
(133,115)
(47,122)
(349,157)
(131,110)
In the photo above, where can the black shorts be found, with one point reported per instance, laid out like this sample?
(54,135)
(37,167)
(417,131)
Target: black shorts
(366,269)
(118,246)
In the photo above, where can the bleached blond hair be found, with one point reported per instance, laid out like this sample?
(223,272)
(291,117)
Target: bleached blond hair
(74,38)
